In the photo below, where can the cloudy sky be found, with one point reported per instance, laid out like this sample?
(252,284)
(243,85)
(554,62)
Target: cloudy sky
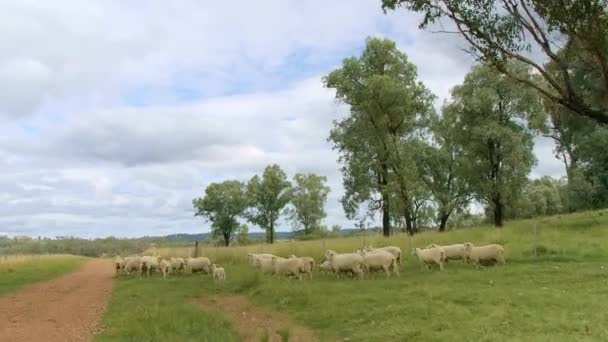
(115,114)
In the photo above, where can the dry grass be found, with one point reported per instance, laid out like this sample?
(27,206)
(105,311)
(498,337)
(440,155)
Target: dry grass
(12,260)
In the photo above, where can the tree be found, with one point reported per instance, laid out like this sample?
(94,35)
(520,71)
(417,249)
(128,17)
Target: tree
(243,235)
(222,205)
(308,199)
(387,106)
(499,31)
(267,198)
(441,168)
(493,114)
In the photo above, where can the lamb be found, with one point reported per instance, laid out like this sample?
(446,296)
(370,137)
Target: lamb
(131,264)
(345,262)
(148,263)
(218,272)
(119,264)
(198,264)
(429,256)
(165,267)
(394,250)
(291,266)
(177,264)
(452,252)
(380,259)
(484,254)
(308,264)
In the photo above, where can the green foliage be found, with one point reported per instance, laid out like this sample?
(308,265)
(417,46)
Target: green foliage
(387,107)
(501,31)
(492,114)
(267,198)
(308,200)
(222,205)
(242,237)
(540,197)
(14,276)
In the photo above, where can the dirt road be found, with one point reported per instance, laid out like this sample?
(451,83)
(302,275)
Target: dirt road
(67,308)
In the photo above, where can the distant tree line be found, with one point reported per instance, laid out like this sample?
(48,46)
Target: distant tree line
(262,201)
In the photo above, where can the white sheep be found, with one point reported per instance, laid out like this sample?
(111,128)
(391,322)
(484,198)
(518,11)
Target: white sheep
(266,265)
(308,265)
(484,254)
(325,266)
(148,263)
(452,252)
(429,256)
(165,267)
(345,262)
(394,250)
(218,272)
(198,264)
(380,260)
(119,264)
(177,264)
(291,266)
(253,257)
(131,264)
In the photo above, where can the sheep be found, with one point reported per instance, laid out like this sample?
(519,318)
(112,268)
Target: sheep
(380,259)
(119,264)
(452,252)
(484,254)
(148,263)
(265,265)
(308,264)
(198,264)
(345,262)
(291,266)
(430,256)
(252,257)
(325,266)
(394,250)
(177,264)
(165,267)
(131,264)
(218,272)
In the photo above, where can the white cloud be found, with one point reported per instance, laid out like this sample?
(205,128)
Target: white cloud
(117,114)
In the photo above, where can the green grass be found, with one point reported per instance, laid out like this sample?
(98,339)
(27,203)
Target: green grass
(19,271)
(156,309)
(559,294)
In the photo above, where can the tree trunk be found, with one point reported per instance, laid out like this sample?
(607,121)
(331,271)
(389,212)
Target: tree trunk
(498,211)
(386,217)
(443,222)
(226,239)
(408,223)
(271,235)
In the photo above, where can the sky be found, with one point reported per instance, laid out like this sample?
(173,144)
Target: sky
(115,114)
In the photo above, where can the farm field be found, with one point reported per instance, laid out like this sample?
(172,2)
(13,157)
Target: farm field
(553,288)
(19,270)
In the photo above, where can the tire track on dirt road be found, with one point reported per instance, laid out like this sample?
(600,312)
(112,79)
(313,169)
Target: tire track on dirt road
(67,308)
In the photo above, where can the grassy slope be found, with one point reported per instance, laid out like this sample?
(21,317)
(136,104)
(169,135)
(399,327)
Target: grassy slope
(157,309)
(16,274)
(561,295)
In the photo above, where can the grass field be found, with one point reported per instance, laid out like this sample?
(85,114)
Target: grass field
(554,287)
(19,270)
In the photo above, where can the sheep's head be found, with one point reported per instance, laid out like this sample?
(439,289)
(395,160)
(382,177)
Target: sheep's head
(415,251)
(292,256)
(468,246)
(329,254)
(432,246)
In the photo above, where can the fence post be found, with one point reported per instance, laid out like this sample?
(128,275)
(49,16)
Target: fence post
(535,242)
(196,249)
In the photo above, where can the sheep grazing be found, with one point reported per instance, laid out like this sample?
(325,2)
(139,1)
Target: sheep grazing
(177,264)
(200,264)
(131,264)
(291,266)
(345,262)
(484,254)
(394,250)
(325,266)
(218,272)
(380,260)
(430,256)
(308,264)
(165,267)
(119,264)
(148,263)
(452,252)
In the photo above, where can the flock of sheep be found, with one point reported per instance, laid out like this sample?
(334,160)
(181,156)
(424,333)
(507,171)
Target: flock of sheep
(370,259)
(147,264)
(360,262)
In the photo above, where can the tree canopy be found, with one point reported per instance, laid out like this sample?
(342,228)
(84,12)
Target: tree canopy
(308,201)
